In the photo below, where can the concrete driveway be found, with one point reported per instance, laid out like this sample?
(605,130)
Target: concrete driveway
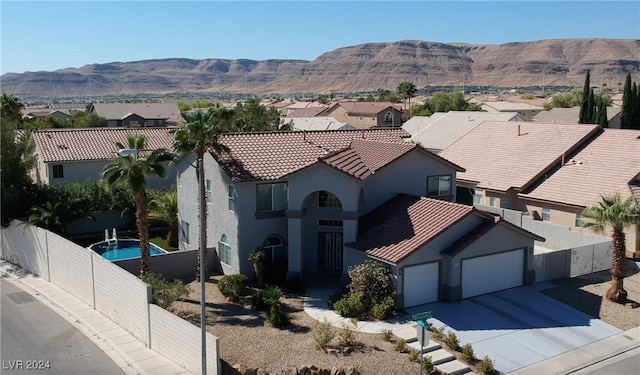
(517,327)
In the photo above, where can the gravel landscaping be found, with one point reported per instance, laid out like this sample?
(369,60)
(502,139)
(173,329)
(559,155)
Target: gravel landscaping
(246,339)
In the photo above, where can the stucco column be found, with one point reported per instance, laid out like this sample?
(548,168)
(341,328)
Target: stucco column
(350,226)
(294,243)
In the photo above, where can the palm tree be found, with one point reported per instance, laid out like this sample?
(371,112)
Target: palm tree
(11,107)
(407,90)
(200,134)
(55,216)
(256,256)
(616,213)
(130,171)
(163,206)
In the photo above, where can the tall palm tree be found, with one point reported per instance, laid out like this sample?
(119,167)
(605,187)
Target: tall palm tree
(615,213)
(55,215)
(199,135)
(130,171)
(11,107)
(163,206)
(407,90)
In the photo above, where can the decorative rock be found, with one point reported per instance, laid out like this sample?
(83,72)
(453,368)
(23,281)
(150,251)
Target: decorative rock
(632,305)
(242,369)
(338,371)
(262,372)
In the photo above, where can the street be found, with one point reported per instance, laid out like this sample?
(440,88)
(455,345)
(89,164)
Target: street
(36,340)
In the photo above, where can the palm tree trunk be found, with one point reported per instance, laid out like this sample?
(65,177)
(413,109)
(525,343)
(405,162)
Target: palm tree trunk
(172,235)
(143,231)
(616,292)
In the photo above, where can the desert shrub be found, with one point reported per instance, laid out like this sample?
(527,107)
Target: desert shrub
(257,299)
(486,366)
(452,341)
(347,334)
(164,293)
(467,353)
(437,333)
(271,296)
(401,345)
(382,310)
(335,297)
(374,281)
(351,306)
(387,334)
(323,334)
(427,364)
(278,318)
(232,286)
(414,355)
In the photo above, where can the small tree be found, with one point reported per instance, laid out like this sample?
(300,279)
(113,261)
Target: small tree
(258,267)
(584,106)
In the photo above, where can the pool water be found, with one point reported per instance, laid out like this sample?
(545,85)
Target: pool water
(126,249)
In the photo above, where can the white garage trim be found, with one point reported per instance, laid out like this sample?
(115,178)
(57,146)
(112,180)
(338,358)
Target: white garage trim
(491,273)
(420,284)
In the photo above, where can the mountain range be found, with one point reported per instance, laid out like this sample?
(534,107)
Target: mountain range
(365,67)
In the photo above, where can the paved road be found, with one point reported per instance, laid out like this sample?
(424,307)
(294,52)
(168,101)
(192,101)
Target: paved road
(624,364)
(36,340)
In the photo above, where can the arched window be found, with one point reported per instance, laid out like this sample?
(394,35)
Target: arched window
(326,199)
(274,249)
(388,117)
(224,250)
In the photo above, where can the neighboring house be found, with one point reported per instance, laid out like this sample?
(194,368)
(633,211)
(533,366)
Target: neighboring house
(137,114)
(307,112)
(41,113)
(607,165)
(315,123)
(443,250)
(446,128)
(502,159)
(364,115)
(288,107)
(75,155)
(572,115)
(527,111)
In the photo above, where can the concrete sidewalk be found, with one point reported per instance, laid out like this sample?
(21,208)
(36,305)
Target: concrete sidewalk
(585,356)
(132,356)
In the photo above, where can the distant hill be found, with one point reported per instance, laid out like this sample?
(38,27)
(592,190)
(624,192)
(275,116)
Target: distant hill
(365,67)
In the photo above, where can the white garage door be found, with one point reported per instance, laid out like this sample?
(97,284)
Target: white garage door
(491,273)
(421,284)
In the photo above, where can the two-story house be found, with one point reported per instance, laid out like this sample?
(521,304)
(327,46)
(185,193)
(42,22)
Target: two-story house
(137,114)
(364,115)
(303,196)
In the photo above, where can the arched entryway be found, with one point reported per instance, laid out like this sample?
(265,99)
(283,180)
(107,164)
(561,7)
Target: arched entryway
(323,225)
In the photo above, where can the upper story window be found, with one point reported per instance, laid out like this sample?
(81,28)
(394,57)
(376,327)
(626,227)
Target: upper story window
(579,219)
(477,198)
(505,203)
(208,190)
(232,198)
(272,197)
(438,186)
(58,171)
(546,213)
(327,199)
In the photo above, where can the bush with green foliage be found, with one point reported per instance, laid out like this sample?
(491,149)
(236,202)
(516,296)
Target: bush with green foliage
(485,366)
(323,334)
(164,292)
(232,286)
(467,353)
(383,310)
(427,364)
(437,333)
(347,334)
(278,318)
(351,306)
(452,341)
(387,334)
(414,355)
(401,345)
(372,287)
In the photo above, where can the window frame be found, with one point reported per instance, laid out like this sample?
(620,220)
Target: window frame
(57,171)
(270,249)
(231,195)
(439,177)
(184,232)
(208,190)
(260,207)
(330,200)
(579,220)
(224,250)
(546,216)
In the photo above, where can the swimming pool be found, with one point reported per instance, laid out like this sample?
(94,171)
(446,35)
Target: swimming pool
(123,249)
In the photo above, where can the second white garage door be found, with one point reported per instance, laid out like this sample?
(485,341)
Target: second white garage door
(421,284)
(492,273)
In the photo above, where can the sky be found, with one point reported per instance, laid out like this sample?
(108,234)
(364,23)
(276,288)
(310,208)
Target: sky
(51,35)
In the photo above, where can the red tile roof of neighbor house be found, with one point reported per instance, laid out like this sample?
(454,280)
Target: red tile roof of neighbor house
(503,155)
(406,223)
(607,165)
(61,145)
(272,156)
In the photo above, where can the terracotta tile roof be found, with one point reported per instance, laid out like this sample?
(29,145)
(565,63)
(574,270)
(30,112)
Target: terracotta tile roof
(306,112)
(607,165)
(569,115)
(118,111)
(272,156)
(511,106)
(59,145)
(494,155)
(406,223)
(368,108)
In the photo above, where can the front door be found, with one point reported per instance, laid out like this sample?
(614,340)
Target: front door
(330,252)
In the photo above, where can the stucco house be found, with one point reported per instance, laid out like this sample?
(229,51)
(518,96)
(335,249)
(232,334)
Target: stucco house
(31,114)
(76,155)
(607,165)
(301,196)
(315,123)
(364,115)
(502,159)
(526,110)
(137,114)
(572,115)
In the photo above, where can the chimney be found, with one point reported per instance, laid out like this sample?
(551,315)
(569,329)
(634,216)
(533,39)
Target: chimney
(519,130)
(304,135)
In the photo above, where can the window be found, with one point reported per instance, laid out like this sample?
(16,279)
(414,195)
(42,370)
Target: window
(477,198)
(579,219)
(232,198)
(546,213)
(388,117)
(58,171)
(492,201)
(272,197)
(208,190)
(274,248)
(184,232)
(326,199)
(505,203)
(438,186)
(224,250)
(329,223)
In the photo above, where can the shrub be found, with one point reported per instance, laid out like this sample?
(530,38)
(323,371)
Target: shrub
(257,299)
(350,306)
(347,335)
(323,334)
(437,333)
(387,334)
(467,353)
(414,355)
(374,281)
(382,310)
(427,364)
(486,366)
(164,293)
(452,341)
(232,286)
(278,318)
(401,345)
